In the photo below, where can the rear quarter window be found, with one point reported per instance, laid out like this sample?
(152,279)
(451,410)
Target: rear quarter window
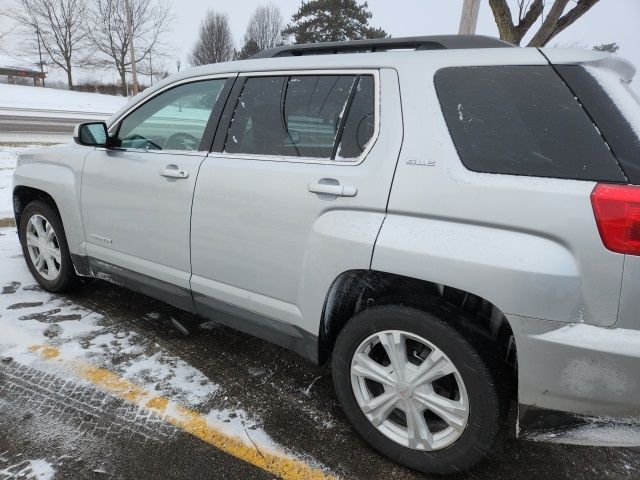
(614,108)
(522,120)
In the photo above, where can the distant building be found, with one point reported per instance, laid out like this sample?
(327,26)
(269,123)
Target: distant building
(20,74)
(12,73)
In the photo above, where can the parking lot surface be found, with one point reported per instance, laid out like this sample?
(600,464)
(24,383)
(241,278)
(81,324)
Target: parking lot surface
(98,384)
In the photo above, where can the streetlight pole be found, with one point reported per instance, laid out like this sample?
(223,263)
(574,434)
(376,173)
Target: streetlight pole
(40,55)
(134,76)
(469,17)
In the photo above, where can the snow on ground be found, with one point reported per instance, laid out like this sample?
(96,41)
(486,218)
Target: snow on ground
(30,316)
(18,97)
(7,165)
(38,469)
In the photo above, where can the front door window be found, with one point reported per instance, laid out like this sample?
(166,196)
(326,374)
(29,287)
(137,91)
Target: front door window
(174,120)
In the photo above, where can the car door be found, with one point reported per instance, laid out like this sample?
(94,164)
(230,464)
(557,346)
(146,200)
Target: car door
(295,193)
(136,196)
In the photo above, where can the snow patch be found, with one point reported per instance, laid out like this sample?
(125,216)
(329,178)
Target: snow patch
(38,469)
(622,341)
(592,431)
(620,94)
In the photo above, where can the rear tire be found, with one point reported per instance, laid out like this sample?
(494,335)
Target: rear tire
(45,248)
(454,439)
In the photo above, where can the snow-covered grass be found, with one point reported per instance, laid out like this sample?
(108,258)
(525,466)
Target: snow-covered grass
(18,97)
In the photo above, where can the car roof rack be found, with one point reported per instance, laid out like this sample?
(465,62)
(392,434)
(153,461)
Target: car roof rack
(434,42)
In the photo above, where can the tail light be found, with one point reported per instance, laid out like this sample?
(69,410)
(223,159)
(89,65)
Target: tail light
(617,212)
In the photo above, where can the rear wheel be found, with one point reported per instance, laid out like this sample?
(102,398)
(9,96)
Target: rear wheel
(415,389)
(45,248)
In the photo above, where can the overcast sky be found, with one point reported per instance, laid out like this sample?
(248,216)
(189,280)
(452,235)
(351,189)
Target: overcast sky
(608,21)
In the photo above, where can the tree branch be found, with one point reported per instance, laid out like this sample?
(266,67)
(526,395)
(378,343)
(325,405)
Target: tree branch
(563,22)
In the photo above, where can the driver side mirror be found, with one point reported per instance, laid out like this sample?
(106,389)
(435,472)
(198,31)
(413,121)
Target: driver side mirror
(92,134)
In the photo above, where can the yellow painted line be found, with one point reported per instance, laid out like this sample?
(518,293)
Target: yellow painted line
(188,420)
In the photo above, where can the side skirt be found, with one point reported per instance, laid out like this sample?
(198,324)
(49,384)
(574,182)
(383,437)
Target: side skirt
(267,328)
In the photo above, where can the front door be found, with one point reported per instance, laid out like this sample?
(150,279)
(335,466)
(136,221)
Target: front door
(136,197)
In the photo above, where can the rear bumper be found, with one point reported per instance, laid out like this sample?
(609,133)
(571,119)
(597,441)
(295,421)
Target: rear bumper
(578,383)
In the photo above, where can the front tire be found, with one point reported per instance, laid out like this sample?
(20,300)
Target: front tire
(45,248)
(415,389)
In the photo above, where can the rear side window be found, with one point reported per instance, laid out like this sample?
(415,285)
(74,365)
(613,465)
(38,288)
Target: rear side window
(522,120)
(310,116)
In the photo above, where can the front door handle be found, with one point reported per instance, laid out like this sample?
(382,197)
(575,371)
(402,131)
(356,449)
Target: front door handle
(172,171)
(329,189)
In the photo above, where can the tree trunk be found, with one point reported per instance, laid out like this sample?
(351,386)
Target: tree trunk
(69,77)
(123,79)
(502,15)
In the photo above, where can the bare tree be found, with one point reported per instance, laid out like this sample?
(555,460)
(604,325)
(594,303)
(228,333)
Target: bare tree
(265,27)
(109,33)
(215,42)
(59,25)
(529,11)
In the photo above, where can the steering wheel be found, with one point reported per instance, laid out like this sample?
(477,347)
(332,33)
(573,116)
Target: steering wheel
(181,141)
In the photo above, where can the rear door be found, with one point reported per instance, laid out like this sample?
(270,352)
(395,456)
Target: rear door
(296,190)
(136,197)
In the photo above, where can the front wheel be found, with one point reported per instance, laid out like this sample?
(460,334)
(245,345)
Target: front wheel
(45,247)
(415,389)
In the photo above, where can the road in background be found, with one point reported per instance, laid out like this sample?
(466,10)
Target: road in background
(32,125)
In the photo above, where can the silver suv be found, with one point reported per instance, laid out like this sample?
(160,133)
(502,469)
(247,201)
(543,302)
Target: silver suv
(451,221)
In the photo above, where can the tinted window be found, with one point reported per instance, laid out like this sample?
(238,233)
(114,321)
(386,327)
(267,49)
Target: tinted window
(360,123)
(300,116)
(522,120)
(174,120)
(614,109)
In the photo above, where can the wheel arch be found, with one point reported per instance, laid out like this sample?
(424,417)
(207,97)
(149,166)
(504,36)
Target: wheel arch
(58,185)
(355,290)
(24,195)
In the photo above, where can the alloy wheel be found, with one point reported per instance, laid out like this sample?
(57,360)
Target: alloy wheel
(43,247)
(409,390)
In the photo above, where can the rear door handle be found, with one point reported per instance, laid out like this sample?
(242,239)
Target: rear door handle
(337,190)
(172,171)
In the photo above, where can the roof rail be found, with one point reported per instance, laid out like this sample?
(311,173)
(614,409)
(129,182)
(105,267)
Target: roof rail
(435,42)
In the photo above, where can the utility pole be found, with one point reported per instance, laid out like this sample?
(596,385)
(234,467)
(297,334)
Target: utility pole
(150,68)
(134,76)
(469,18)
(40,54)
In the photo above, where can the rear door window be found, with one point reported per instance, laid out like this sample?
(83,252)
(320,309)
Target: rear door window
(522,120)
(305,116)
